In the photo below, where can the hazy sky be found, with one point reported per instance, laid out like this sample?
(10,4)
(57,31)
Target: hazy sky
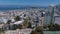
(29,2)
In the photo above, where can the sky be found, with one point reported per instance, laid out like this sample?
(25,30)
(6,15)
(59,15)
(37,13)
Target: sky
(29,2)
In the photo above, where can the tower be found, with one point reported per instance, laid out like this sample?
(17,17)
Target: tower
(51,14)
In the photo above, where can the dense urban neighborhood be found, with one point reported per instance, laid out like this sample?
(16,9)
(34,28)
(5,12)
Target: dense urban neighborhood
(31,20)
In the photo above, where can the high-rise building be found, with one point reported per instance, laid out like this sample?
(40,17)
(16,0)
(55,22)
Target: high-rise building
(49,17)
(52,14)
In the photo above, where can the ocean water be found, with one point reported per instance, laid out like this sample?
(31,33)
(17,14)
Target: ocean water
(13,7)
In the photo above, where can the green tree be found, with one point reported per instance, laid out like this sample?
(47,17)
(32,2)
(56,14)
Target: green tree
(26,23)
(34,32)
(51,27)
(19,26)
(17,18)
(54,27)
(9,21)
(38,30)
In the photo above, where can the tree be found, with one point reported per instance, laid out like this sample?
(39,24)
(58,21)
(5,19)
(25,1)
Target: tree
(38,30)
(54,27)
(9,21)
(34,32)
(25,22)
(50,26)
(29,24)
(17,18)
(19,26)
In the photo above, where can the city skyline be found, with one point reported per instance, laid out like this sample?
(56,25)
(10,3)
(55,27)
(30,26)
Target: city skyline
(29,2)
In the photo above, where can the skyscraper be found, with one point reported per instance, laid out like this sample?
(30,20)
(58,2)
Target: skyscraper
(49,16)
